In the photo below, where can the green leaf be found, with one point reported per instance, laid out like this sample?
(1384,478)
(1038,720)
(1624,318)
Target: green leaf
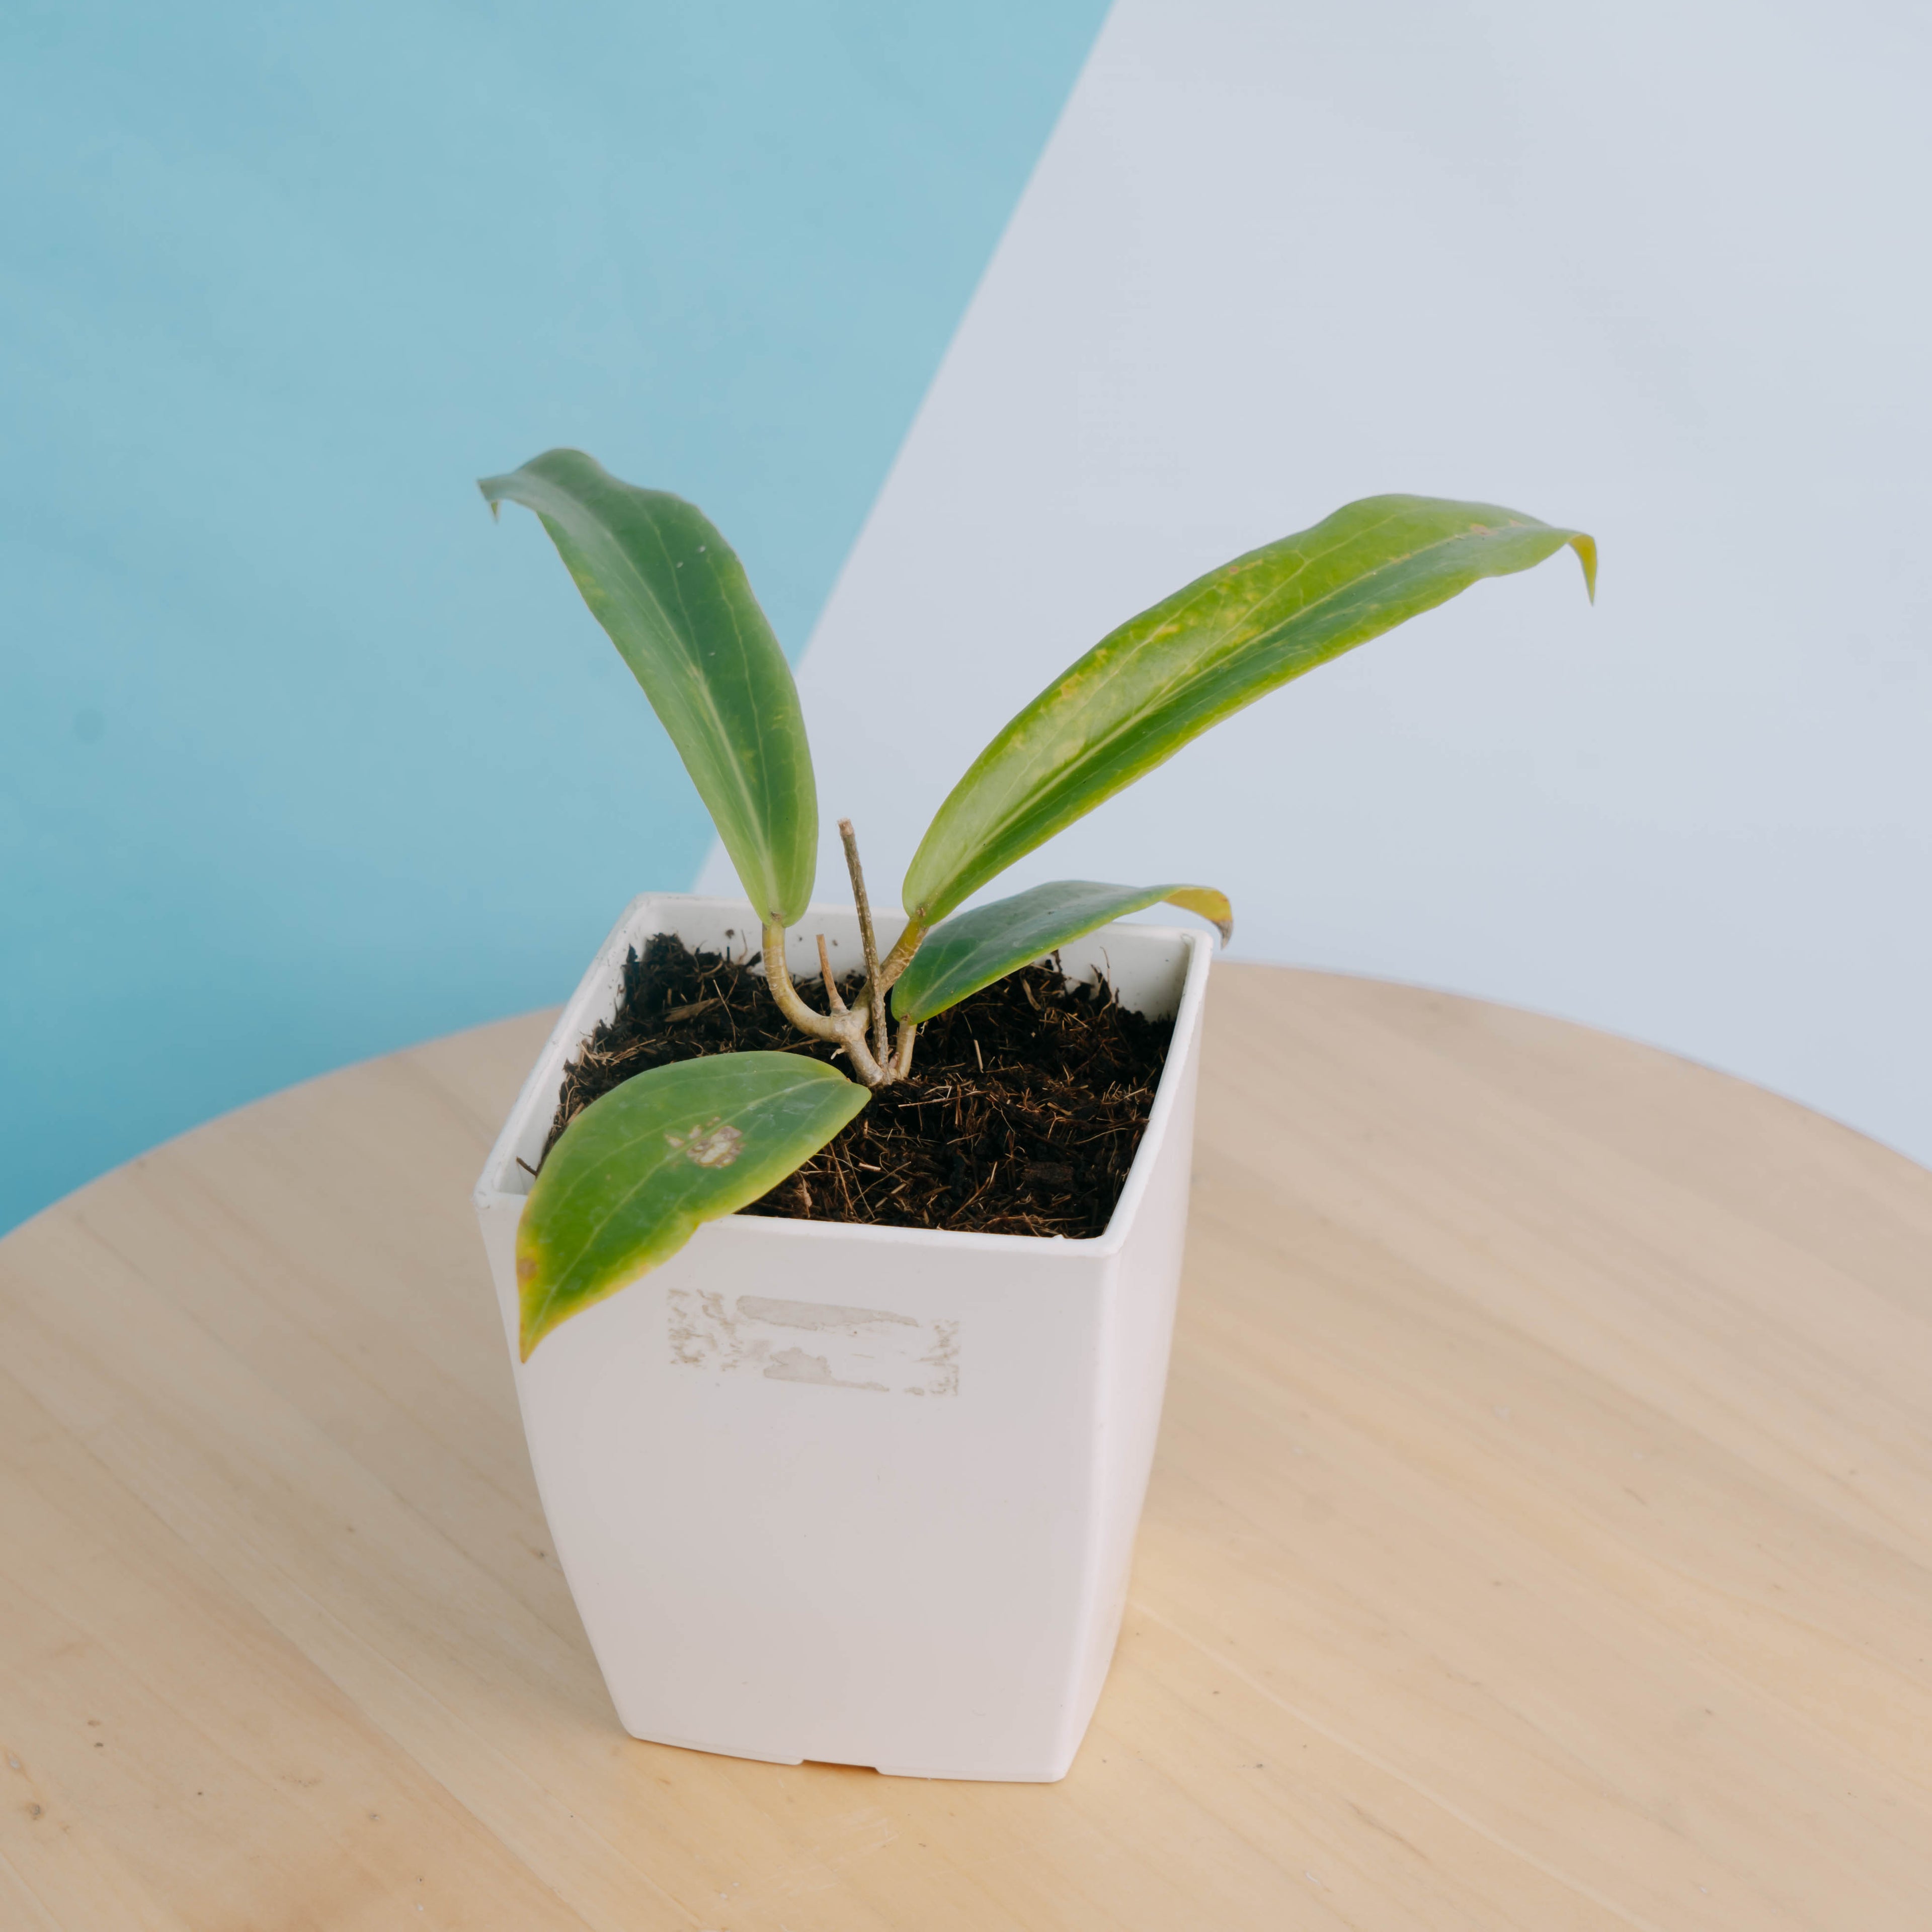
(1226,639)
(633,1175)
(974,948)
(675,599)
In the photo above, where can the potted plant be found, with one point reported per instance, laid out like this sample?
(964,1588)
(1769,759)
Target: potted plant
(823,1486)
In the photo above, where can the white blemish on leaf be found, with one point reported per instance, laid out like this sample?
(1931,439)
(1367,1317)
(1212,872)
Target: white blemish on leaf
(708,1144)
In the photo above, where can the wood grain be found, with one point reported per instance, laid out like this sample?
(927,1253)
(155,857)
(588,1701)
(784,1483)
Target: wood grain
(1541,1535)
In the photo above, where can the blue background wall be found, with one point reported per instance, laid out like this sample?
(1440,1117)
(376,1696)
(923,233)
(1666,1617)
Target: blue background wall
(300,758)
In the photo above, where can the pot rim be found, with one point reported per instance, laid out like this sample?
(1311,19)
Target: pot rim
(569,1033)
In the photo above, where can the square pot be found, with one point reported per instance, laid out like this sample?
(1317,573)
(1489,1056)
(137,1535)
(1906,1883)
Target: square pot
(862,1495)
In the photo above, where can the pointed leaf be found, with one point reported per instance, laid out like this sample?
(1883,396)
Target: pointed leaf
(1226,639)
(633,1176)
(974,948)
(675,599)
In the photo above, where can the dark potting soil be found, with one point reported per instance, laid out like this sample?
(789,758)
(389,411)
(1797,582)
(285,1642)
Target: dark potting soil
(1024,1106)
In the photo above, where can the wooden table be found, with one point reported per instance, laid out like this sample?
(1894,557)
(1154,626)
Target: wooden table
(1541,1536)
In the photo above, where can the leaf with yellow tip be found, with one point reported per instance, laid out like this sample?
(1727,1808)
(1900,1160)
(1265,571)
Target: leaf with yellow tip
(1194,658)
(635,1174)
(972,949)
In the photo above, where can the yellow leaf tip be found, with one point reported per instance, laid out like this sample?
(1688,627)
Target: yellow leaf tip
(1585,547)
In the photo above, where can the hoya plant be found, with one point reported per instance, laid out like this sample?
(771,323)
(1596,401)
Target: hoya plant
(638,1171)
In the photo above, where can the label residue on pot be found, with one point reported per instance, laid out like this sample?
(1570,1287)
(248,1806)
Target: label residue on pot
(820,1341)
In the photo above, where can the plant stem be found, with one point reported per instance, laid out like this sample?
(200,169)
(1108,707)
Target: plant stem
(778,978)
(847,1029)
(902,1049)
(900,957)
(875,991)
(833,998)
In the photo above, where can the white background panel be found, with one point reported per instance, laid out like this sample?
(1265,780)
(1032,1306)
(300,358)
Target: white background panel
(1660,273)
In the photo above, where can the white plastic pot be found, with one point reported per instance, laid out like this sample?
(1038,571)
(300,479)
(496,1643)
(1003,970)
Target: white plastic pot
(862,1495)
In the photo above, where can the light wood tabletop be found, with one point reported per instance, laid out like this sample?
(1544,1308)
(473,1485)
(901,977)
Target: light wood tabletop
(1541,1537)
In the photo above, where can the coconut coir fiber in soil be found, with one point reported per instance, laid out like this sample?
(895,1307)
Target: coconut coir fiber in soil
(1025,1104)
